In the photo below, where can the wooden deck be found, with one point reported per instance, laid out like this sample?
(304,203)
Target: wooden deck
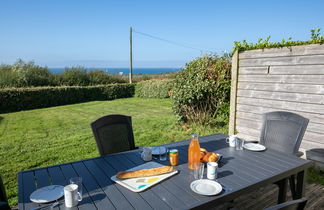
(267,197)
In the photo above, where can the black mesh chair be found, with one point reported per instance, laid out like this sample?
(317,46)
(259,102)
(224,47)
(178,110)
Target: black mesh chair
(113,134)
(3,198)
(298,204)
(284,131)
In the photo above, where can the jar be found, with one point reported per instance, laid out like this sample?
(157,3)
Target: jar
(174,157)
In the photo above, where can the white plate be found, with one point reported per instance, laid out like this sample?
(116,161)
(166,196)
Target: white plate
(156,151)
(142,183)
(254,147)
(206,187)
(47,194)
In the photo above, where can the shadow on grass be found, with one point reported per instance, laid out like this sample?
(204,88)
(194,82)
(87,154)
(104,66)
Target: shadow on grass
(1,118)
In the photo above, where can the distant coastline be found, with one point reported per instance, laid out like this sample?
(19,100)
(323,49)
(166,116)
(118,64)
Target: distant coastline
(123,71)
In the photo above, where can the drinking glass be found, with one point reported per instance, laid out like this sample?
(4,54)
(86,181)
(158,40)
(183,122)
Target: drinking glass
(147,154)
(199,170)
(77,181)
(163,153)
(231,140)
(239,144)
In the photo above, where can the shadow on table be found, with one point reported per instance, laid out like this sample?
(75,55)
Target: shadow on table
(224,173)
(98,197)
(224,161)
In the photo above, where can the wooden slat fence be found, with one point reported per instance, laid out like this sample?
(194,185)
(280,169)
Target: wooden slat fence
(278,79)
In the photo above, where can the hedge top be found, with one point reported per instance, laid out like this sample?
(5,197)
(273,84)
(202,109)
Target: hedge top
(316,38)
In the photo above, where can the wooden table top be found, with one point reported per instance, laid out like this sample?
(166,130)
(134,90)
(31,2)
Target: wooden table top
(239,171)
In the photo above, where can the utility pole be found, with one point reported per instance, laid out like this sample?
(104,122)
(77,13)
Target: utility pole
(130,56)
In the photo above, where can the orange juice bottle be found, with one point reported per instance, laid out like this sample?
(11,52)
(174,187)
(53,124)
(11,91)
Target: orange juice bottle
(194,152)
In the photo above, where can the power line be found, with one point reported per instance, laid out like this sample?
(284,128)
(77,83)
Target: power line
(171,42)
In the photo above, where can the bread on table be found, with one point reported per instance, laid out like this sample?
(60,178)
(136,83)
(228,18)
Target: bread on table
(144,172)
(203,152)
(208,156)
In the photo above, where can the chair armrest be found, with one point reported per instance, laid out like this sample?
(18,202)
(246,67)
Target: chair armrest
(299,154)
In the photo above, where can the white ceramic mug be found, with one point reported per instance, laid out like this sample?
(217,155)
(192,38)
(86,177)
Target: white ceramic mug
(231,140)
(71,195)
(212,170)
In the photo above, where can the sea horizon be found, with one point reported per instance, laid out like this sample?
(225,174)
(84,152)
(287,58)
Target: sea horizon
(121,71)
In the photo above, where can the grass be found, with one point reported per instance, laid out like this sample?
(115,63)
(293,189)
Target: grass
(315,175)
(44,137)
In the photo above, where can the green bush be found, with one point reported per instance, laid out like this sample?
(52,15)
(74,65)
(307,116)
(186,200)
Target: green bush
(8,78)
(74,76)
(316,38)
(22,74)
(99,77)
(201,90)
(16,99)
(154,88)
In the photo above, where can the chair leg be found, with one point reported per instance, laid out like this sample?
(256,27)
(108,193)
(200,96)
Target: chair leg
(282,195)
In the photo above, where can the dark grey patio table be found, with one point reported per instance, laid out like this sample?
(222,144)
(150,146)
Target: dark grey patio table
(240,172)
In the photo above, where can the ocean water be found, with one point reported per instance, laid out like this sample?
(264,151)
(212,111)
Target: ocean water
(122,71)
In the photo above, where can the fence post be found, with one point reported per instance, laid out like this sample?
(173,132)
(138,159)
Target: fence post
(233,100)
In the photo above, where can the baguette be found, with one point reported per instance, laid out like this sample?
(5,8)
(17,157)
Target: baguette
(144,172)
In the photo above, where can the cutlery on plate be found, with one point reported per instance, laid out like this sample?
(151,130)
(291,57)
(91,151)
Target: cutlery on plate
(49,205)
(226,188)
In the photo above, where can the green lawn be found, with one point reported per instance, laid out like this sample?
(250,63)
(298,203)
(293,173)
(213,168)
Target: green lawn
(44,137)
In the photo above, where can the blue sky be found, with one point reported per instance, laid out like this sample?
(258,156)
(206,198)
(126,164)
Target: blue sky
(95,33)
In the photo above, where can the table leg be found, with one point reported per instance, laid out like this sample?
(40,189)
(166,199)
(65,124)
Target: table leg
(282,196)
(292,185)
(300,185)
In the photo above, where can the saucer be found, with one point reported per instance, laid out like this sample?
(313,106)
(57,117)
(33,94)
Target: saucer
(206,187)
(254,147)
(47,194)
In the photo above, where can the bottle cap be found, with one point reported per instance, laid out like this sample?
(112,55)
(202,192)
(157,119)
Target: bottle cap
(173,151)
(194,135)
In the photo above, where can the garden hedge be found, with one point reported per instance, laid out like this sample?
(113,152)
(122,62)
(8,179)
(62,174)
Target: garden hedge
(201,91)
(16,99)
(155,88)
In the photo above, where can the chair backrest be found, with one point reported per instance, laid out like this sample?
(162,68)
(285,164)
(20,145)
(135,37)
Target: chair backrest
(113,133)
(290,205)
(3,197)
(283,131)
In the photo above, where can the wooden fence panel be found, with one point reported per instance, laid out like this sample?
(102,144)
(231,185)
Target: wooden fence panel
(280,79)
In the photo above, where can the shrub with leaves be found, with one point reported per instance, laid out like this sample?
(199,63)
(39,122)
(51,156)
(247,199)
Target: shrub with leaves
(155,88)
(22,74)
(8,78)
(201,90)
(16,99)
(316,38)
(74,76)
(99,77)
